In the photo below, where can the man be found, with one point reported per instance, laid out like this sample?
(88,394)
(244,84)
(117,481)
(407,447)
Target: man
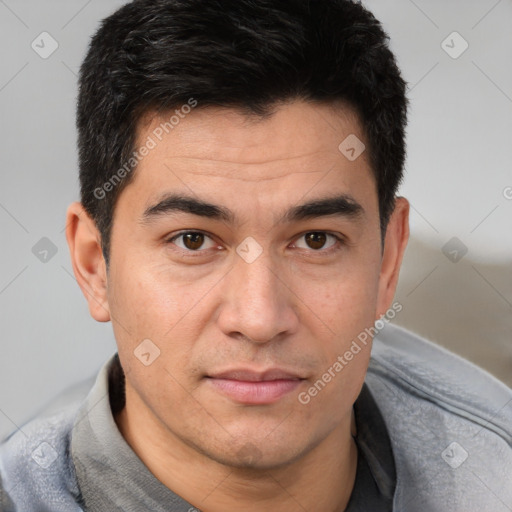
(239,225)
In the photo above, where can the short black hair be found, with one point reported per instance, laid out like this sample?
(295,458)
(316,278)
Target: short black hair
(250,55)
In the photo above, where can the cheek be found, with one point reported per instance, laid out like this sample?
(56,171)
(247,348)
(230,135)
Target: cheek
(345,302)
(346,309)
(151,301)
(142,311)
(343,294)
(330,396)
(155,331)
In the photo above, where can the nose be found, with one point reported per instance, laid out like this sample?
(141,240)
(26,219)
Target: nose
(258,303)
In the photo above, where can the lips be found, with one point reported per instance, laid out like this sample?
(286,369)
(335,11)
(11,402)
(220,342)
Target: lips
(254,376)
(255,388)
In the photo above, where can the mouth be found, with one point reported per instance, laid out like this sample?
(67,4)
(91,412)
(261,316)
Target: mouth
(255,388)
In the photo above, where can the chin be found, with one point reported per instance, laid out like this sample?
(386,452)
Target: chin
(256,455)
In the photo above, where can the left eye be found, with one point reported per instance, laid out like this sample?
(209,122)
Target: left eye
(192,241)
(317,240)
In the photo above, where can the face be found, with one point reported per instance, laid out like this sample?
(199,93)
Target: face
(248,253)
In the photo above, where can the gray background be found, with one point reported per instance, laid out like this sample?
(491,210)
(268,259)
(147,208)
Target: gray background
(457,177)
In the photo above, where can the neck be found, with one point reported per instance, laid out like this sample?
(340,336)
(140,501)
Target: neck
(322,479)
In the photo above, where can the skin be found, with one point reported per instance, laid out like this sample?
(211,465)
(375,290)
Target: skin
(294,307)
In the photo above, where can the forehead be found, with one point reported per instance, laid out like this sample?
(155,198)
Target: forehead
(293,132)
(224,156)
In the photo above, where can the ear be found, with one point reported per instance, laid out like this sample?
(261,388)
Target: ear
(84,241)
(395,242)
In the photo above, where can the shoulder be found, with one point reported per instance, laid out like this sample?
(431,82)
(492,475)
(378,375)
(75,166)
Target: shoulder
(36,470)
(449,421)
(411,365)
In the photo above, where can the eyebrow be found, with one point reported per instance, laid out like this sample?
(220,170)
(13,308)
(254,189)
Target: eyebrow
(343,205)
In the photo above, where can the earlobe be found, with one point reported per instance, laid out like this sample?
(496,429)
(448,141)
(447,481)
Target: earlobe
(84,241)
(397,235)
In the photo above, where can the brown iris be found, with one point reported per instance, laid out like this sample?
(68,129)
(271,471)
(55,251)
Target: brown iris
(316,239)
(193,241)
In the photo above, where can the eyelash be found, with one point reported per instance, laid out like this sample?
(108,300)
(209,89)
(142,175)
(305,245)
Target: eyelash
(338,245)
